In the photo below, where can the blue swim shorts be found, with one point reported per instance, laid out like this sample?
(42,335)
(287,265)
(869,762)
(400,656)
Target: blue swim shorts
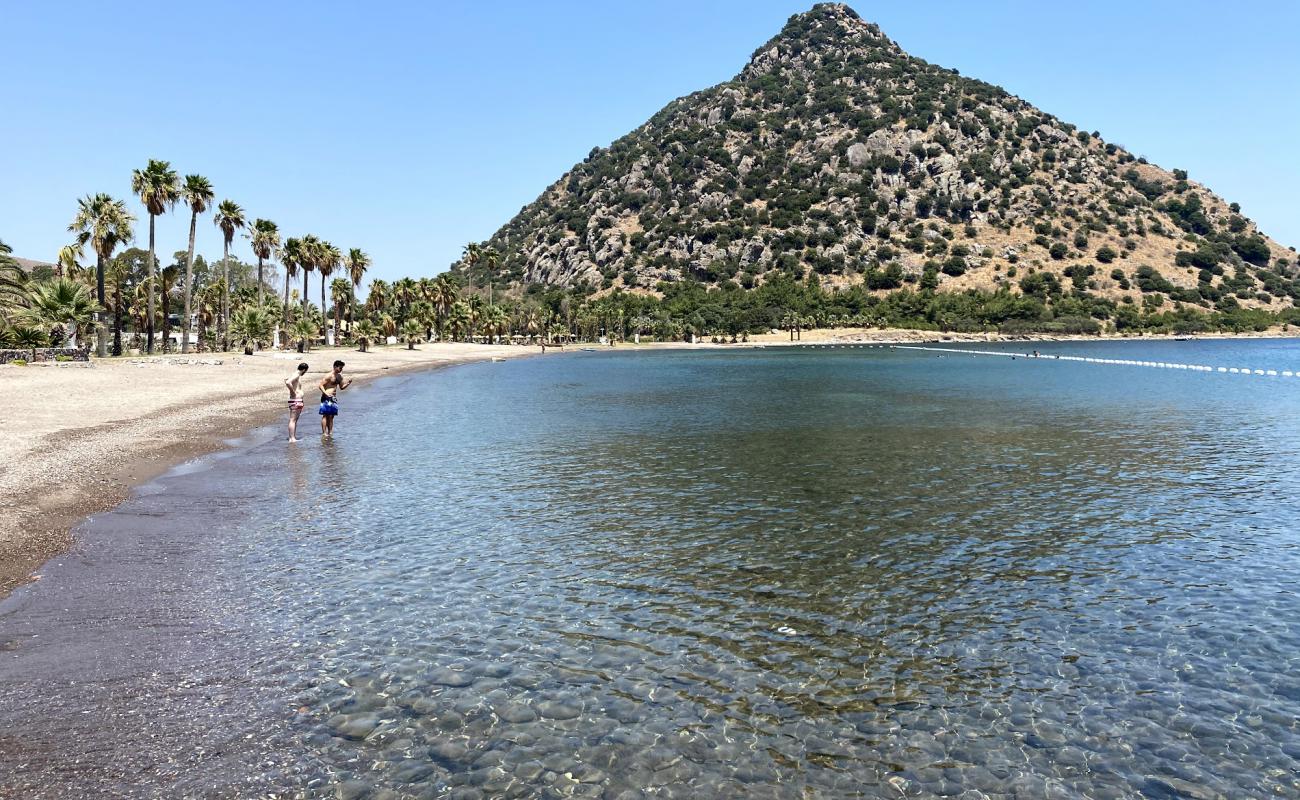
(329,408)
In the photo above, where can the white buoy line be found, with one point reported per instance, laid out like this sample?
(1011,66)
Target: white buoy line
(1120,362)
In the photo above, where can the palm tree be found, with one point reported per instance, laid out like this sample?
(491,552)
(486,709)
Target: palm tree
(103,223)
(640,323)
(311,254)
(64,302)
(377,300)
(340,292)
(357,264)
(495,322)
(470,256)
(443,298)
(198,195)
(229,218)
(290,258)
(412,332)
(475,305)
(491,259)
(366,334)
(167,286)
(118,272)
(405,292)
(251,325)
(207,302)
(331,258)
(458,319)
(158,188)
(388,325)
(13,283)
(266,243)
(305,332)
(27,337)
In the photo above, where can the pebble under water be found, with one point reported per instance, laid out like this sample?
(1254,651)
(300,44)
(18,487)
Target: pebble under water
(749,574)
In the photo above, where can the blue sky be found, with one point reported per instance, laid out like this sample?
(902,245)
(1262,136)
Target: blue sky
(410,128)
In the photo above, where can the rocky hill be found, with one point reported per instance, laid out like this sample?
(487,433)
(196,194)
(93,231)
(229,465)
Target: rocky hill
(835,153)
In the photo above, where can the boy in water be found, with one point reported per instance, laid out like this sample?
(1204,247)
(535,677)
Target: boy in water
(330,386)
(295,400)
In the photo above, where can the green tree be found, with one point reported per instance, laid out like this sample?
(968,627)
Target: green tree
(63,302)
(251,326)
(366,334)
(198,195)
(291,259)
(340,293)
(266,243)
(229,218)
(413,333)
(158,187)
(357,264)
(104,224)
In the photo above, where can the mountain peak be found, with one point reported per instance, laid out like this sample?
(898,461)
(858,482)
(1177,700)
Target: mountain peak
(836,156)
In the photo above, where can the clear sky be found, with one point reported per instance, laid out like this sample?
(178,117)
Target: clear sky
(410,128)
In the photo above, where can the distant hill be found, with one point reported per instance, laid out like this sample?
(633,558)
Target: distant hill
(837,154)
(29,266)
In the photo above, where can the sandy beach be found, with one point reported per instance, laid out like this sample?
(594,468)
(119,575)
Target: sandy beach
(77,437)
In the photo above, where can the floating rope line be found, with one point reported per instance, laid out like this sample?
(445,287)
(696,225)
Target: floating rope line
(1120,362)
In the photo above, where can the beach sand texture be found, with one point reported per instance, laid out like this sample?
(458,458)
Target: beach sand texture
(75,438)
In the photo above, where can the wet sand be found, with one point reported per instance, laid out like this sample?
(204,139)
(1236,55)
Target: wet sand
(76,438)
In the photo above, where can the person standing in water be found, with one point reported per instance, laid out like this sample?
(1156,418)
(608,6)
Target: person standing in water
(330,386)
(296,401)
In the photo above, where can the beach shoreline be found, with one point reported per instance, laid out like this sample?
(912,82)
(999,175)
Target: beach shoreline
(78,438)
(82,437)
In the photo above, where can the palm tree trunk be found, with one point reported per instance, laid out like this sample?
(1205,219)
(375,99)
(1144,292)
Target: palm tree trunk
(259,280)
(285,330)
(101,340)
(189,284)
(225,296)
(324,320)
(304,294)
(152,265)
(338,320)
(117,321)
(167,326)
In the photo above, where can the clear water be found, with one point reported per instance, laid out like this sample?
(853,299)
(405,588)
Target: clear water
(761,573)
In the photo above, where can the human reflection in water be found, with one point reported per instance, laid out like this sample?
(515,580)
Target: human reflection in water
(297,467)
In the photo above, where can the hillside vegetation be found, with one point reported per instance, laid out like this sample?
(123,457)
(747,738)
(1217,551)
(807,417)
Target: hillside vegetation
(883,186)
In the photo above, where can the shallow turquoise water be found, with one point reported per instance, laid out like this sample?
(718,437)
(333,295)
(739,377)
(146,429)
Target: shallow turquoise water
(751,573)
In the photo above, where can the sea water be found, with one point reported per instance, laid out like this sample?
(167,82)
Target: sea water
(730,573)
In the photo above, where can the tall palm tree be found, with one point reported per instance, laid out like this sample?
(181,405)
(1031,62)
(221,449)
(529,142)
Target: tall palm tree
(229,218)
(290,258)
(103,223)
(357,264)
(470,255)
(405,292)
(491,259)
(458,319)
(443,298)
(158,188)
(311,255)
(167,287)
(340,293)
(198,195)
(331,258)
(266,243)
(377,299)
(64,302)
(475,305)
